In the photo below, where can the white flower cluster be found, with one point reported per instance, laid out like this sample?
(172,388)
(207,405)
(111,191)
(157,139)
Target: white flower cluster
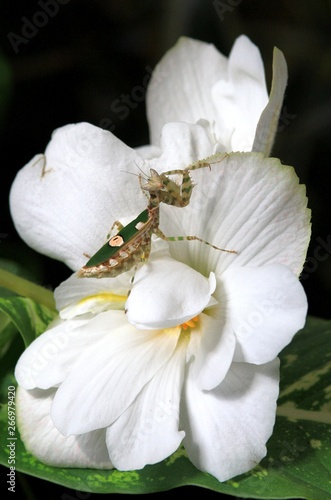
(190,356)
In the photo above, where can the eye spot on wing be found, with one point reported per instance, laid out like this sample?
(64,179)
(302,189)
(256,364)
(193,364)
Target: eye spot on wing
(116,241)
(139,225)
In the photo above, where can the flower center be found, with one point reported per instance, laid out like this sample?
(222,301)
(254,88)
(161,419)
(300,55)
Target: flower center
(191,323)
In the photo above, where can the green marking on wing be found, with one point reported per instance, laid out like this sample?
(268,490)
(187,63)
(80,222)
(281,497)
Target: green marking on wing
(127,233)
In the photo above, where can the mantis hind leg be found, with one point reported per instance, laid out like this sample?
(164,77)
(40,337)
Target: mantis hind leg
(117,226)
(191,238)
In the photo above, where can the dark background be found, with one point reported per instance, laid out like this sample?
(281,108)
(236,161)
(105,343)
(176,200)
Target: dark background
(92,51)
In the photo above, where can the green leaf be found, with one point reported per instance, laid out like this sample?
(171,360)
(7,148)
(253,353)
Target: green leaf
(11,346)
(10,282)
(298,464)
(30,270)
(30,318)
(7,332)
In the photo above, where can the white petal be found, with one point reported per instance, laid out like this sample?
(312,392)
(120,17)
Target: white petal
(227,428)
(45,363)
(194,81)
(247,203)
(109,373)
(167,293)
(180,87)
(183,143)
(268,123)
(212,346)
(147,432)
(148,152)
(65,207)
(265,306)
(245,57)
(46,443)
(240,97)
(77,296)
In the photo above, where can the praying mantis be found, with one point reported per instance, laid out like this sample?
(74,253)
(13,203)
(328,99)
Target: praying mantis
(132,243)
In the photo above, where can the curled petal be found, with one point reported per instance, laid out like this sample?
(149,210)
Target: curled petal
(48,445)
(94,304)
(167,293)
(77,296)
(268,122)
(64,203)
(167,99)
(227,428)
(194,81)
(212,347)
(265,307)
(240,96)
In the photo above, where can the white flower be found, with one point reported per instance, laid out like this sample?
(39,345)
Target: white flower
(192,84)
(191,355)
(194,358)
(194,81)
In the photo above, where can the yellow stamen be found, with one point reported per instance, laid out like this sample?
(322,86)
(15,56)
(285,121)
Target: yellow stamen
(191,323)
